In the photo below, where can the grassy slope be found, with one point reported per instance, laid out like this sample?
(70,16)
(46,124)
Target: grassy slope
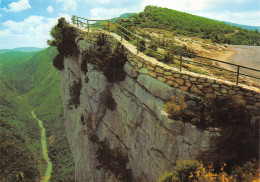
(188,24)
(40,83)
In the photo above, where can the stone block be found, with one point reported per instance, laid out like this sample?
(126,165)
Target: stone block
(193,79)
(169,82)
(215,85)
(161,79)
(177,75)
(143,71)
(156,87)
(130,70)
(180,81)
(167,73)
(139,65)
(200,87)
(194,89)
(184,88)
(186,77)
(188,84)
(202,80)
(170,78)
(223,90)
(210,81)
(159,70)
(150,68)
(152,74)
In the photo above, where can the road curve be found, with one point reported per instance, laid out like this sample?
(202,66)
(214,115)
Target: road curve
(47,175)
(248,56)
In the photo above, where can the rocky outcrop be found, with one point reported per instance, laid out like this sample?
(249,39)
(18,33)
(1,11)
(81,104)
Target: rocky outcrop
(118,131)
(127,117)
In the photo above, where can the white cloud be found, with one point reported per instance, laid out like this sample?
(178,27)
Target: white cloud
(33,31)
(103,13)
(244,18)
(18,6)
(68,5)
(72,5)
(50,9)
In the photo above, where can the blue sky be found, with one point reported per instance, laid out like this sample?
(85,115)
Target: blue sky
(26,23)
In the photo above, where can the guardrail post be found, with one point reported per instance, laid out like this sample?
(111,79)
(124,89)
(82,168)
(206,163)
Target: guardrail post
(137,45)
(108,26)
(121,35)
(237,73)
(88,25)
(181,62)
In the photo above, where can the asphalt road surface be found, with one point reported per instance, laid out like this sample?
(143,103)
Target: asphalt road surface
(248,56)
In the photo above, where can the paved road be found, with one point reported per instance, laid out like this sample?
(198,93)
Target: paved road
(248,56)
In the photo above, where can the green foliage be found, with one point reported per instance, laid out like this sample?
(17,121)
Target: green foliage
(39,81)
(175,107)
(64,40)
(246,172)
(191,25)
(195,171)
(20,148)
(109,60)
(142,46)
(181,172)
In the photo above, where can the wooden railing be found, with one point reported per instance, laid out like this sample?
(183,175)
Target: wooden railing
(124,32)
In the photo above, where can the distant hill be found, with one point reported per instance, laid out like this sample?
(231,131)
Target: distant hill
(192,25)
(125,15)
(245,26)
(22,49)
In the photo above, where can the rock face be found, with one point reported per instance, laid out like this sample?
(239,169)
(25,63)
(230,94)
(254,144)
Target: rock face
(119,132)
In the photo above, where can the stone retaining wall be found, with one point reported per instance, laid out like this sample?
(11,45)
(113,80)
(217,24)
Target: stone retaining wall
(197,84)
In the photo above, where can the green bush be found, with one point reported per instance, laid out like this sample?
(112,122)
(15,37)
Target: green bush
(181,172)
(175,107)
(64,40)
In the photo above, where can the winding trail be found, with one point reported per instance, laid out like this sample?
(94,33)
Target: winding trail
(47,175)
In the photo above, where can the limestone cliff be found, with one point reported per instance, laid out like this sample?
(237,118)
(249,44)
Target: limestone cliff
(127,116)
(117,129)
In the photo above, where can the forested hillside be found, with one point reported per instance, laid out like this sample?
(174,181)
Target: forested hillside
(37,83)
(20,148)
(191,25)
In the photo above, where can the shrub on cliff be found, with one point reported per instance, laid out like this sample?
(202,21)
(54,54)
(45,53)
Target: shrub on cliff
(108,59)
(64,40)
(195,171)
(175,107)
(181,172)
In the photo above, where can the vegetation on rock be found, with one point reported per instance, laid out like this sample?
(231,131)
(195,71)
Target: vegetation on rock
(109,60)
(64,40)
(195,171)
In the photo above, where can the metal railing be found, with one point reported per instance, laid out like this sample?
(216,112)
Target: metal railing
(124,32)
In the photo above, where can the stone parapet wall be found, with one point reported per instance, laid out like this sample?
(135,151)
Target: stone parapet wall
(197,84)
